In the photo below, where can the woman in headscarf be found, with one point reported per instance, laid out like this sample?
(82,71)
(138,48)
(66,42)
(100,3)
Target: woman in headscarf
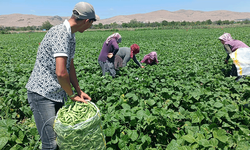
(231,45)
(107,55)
(150,59)
(126,53)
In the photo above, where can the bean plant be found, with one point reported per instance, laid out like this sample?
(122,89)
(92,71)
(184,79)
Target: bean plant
(187,101)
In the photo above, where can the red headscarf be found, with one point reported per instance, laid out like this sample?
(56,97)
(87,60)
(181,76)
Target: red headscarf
(134,49)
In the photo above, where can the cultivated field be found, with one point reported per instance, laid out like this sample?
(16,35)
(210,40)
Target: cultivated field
(185,102)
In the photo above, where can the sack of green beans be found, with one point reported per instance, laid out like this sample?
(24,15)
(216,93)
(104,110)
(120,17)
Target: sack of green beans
(78,126)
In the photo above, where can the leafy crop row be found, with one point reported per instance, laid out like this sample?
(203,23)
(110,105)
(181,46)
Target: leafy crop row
(187,101)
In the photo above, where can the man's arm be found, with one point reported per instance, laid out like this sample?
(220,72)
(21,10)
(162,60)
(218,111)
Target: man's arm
(62,74)
(66,79)
(73,78)
(74,82)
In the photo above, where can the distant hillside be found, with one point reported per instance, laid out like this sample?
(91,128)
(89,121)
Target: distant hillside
(180,15)
(21,20)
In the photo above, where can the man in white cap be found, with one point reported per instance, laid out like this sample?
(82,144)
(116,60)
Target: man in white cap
(54,72)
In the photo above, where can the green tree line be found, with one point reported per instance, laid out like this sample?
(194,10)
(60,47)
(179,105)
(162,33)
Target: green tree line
(138,24)
(45,26)
(132,24)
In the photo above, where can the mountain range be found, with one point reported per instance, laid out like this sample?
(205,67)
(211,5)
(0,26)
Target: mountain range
(23,20)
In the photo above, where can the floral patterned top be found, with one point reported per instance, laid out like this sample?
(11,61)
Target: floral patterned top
(58,41)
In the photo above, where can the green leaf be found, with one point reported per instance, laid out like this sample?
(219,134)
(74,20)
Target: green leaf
(163,90)
(111,109)
(16,147)
(132,146)
(33,131)
(140,114)
(124,136)
(114,139)
(195,146)
(4,132)
(224,124)
(195,94)
(110,131)
(243,145)
(188,138)
(150,102)
(173,145)
(7,122)
(231,108)
(205,129)
(200,136)
(19,141)
(176,103)
(3,141)
(244,129)
(220,134)
(220,113)
(178,96)
(13,137)
(185,148)
(37,137)
(197,116)
(146,138)
(204,142)
(126,106)
(150,119)
(26,148)
(132,95)
(121,144)
(218,104)
(21,135)
(132,134)
(214,142)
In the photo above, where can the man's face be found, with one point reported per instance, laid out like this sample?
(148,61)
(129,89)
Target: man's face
(85,25)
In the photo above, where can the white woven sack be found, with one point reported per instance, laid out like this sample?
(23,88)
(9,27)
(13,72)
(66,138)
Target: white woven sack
(88,133)
(241,59)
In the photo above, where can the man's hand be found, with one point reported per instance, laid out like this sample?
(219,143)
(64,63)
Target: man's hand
(81,97)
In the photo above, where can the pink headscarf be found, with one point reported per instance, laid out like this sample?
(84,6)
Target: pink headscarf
(134,49)
(153,56)
(235,44)
(116,36)
(226,37)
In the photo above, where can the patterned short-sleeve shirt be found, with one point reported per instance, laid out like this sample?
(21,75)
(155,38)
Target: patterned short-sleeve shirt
(58,41)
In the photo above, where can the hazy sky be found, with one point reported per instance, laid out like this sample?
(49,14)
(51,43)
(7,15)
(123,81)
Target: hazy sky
(110,8)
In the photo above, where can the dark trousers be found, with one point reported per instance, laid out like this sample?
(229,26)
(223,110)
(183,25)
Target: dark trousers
(233,71)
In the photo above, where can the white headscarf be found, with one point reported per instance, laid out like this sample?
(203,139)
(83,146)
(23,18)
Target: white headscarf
(117,36)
